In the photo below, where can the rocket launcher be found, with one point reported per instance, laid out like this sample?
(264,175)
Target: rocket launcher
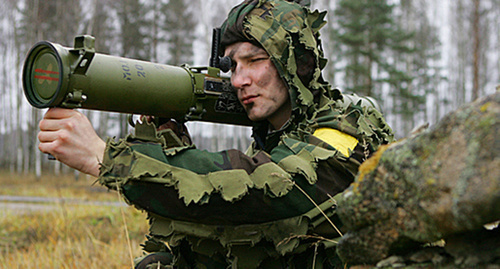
(78,77)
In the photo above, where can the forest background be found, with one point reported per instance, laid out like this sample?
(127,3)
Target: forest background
(419,58)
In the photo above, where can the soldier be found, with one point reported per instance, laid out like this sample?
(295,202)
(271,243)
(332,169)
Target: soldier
(272,207)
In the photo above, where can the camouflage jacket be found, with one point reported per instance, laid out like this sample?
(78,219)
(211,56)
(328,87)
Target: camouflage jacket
(231,204)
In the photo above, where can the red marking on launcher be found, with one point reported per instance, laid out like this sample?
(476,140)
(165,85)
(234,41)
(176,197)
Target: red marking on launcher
(46,72)
(47,78)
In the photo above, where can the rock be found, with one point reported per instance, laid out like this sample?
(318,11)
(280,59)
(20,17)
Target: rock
(393,261)
(436,184)
(432,255)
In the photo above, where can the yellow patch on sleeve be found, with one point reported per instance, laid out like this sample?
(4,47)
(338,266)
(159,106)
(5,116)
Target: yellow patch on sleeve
(337,139)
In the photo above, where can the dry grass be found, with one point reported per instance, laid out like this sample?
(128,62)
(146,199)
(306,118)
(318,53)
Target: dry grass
(68,236)
(54,186)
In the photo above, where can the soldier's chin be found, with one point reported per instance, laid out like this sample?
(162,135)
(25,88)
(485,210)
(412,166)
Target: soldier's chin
(255,118)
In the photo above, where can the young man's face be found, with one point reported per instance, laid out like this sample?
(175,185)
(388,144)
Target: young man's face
(260,89)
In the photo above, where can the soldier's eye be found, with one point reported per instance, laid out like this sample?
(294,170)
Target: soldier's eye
(258,59)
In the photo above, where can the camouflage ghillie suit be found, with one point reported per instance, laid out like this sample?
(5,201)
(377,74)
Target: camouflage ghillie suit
(272,207)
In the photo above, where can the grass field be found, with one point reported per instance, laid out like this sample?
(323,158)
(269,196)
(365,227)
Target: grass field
(68,235)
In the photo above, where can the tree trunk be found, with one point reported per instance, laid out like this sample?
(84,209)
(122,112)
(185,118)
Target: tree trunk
(477,48)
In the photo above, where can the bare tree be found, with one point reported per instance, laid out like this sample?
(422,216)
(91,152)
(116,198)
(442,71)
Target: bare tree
(476,50)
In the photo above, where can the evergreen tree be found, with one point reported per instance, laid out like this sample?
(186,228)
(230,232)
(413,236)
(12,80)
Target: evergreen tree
(135,41)
(368,34)
(409,102)
(100,26)
(179,26)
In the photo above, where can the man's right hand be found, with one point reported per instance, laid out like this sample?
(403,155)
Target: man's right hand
(69,136)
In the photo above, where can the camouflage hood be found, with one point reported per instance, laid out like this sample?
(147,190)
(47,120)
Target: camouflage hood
(289,32)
